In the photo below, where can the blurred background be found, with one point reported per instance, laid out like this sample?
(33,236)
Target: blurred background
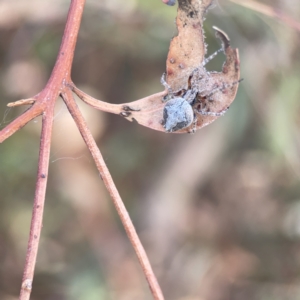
(218,211)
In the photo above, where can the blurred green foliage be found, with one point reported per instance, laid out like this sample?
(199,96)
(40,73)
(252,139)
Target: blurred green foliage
(218,211)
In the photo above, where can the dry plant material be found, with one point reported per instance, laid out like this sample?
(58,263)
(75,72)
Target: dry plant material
(185,74)
(204,94)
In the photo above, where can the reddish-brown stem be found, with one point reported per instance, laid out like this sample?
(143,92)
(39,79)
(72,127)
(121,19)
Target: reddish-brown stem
(21,121)
(96,103)
(45,102)
(62,70)
(38,205)
(59,84)
(60,74)
(118,203)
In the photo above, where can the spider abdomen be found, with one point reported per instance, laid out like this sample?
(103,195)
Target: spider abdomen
(178,114)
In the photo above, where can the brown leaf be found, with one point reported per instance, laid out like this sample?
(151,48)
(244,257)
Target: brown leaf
(186,53)
(186,72)
(187,49)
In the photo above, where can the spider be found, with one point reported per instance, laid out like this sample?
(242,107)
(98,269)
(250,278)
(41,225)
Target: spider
(179,112)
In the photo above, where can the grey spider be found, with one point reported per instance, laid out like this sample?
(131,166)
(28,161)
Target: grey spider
(178,112)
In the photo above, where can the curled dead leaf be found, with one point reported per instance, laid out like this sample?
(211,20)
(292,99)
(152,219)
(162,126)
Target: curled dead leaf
(213,92)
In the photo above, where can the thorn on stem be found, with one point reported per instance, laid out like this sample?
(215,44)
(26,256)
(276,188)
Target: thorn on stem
(28,101)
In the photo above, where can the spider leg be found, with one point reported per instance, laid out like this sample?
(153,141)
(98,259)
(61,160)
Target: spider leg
(213,114)
(223,87)
(190,95)
(194,124)
(165,84)
(211,57)
(170,94)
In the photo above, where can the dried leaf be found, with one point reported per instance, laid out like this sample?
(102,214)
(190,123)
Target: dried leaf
(186,53)
(187,49)
(185,72)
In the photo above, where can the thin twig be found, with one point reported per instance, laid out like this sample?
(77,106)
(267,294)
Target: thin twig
(33,112)
(118,203)
(21,102)
(38,206)
(96,103)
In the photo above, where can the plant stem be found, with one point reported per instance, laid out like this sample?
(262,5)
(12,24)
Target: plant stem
(45,102)
(21,121)
(59,84)
(60,74)
(38,206)
(117,201)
